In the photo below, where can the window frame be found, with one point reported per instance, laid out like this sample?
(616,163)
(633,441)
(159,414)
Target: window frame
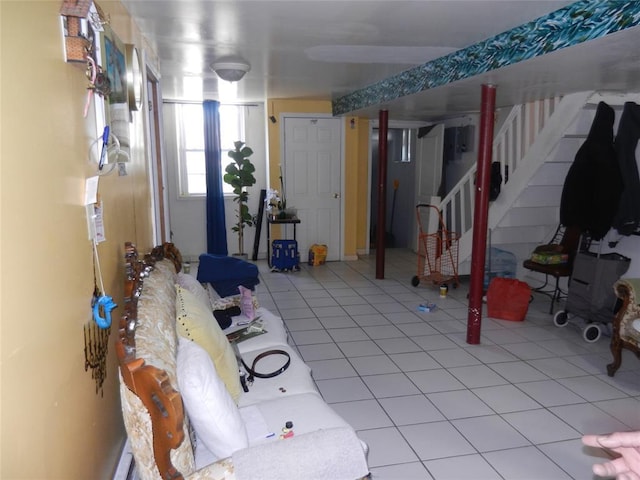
(183,149)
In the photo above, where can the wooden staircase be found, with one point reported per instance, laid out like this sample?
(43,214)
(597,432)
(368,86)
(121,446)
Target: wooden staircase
(535,145)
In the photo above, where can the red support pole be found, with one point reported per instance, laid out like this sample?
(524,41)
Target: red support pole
(481,213)
(382,192)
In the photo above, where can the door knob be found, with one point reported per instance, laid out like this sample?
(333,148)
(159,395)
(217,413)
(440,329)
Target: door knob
(336,195)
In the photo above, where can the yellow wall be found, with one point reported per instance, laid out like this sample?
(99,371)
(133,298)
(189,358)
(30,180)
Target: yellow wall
(356,160)
(53,425)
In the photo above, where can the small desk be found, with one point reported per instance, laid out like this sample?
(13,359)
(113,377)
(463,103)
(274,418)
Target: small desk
(278,221)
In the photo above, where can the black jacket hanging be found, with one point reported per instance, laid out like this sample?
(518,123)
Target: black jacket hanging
(592,188)
(627,218)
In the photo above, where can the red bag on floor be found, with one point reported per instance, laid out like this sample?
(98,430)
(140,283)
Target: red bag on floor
(508,299)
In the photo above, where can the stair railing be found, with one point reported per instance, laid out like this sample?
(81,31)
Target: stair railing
(510,146)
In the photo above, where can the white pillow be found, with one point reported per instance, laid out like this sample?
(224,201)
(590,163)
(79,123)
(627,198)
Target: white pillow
(188,282)
(213,413)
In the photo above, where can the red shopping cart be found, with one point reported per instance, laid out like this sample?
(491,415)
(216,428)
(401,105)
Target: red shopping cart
(437,251)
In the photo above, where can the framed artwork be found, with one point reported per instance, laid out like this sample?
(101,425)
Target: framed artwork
(117,112)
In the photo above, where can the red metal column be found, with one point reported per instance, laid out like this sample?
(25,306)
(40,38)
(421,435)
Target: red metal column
(481,213)
(382,192)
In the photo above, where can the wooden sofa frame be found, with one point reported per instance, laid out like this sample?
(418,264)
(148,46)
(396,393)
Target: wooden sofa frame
(628,312)
(149,383)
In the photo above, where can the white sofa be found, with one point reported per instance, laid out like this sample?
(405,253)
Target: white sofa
(184,409)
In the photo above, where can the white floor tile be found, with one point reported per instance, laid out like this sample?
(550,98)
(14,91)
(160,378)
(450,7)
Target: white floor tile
(413,361)
(627,410)
(337,322)
(526,463)
(434,342)
(572,457)
(374,365)
(528,351)
(360,348)
(411,409)
(588,419)
(518,372)
(390,385)
(506,398)
(402,471)
(436,440)
(431,381)
(343,390)
(550,393)
(309,337)
(490,353)
(475,376)
(350,334)
(541,426)
(334,368)
(490,433)
(383,331)
(459,404)
(320,352)
(554,368)
(397,345)
(363,414)
(592,388)
(467,467)
(454,357)
(386,447)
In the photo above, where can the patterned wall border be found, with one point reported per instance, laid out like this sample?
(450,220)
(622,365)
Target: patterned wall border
(579,22)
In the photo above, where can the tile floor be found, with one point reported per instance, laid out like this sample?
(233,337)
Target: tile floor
(431,406)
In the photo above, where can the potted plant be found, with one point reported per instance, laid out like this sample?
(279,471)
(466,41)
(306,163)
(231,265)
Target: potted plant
(239,175)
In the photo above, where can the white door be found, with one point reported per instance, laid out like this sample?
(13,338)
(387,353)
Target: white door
(428,173)
(312,174)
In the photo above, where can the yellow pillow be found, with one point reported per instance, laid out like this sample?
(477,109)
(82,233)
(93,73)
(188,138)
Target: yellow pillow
(195,321)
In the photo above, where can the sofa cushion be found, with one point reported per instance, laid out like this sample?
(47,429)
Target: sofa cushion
(195,321)
(275,336)
(213,413)
(190,283)
(294,380)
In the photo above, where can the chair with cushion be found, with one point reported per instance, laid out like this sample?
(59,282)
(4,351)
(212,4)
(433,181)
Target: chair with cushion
(626,323)
(555,259)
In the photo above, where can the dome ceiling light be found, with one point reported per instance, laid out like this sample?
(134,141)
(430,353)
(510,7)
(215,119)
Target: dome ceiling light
(230,69)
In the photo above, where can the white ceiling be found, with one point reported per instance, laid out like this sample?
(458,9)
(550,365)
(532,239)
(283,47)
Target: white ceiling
(326,49)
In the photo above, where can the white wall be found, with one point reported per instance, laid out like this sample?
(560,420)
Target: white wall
(188,215)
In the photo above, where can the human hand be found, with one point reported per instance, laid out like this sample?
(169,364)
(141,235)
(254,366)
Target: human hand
(627,447)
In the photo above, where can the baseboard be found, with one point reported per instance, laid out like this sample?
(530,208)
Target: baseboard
(126,468)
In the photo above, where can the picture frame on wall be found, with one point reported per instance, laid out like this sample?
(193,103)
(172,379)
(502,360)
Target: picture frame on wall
(117,113)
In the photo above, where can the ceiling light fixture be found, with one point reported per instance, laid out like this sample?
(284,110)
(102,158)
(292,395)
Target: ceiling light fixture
(231,69)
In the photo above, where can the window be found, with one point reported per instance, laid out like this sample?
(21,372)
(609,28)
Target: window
(190,124)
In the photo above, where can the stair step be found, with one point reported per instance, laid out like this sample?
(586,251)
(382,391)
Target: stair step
(525,216)
(527,234)
(551,173)
(540,196)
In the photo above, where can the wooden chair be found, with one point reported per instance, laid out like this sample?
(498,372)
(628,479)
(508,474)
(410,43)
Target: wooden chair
(564,241)
(623,334)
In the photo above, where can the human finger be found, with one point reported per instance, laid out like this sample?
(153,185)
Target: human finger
(611,469)
(619,439)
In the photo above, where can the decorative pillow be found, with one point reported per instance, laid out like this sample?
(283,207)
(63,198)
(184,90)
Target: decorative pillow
(195,322)
(189,282)
(213,413)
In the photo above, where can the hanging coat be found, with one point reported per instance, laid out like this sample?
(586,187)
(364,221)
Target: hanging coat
(627,218)
(593,185)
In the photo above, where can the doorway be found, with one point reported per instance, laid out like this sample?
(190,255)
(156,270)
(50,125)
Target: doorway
(159,198)
(312,172)
(401,164)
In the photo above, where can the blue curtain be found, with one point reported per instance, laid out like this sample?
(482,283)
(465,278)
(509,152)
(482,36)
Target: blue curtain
(216,227)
